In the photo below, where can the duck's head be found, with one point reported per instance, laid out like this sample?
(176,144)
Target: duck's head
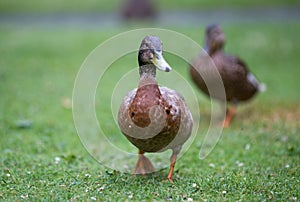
(151,54)
(215,38)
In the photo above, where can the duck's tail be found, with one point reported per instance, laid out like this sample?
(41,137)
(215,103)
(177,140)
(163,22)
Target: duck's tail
(260,86)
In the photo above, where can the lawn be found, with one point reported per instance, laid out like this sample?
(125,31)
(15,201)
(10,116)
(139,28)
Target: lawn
(42,158)
(95,6)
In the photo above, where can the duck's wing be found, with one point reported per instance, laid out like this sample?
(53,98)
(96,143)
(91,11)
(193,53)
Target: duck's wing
(240,83)
(123,117)
(178,108)
(251,78)
(241,66)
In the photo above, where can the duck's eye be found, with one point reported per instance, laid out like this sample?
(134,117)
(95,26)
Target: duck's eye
(157,56)
(151,55)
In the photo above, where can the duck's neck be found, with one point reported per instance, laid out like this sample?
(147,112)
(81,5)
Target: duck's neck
(212,49)
(147,74)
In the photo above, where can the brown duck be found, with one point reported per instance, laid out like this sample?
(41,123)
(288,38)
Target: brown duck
(138,10)
(239,83)
(154,118)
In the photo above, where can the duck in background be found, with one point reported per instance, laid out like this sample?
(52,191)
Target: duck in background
(239,83)
(138,10)
(154,118)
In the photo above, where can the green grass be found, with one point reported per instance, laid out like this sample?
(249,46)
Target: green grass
(54,6)
(256,159)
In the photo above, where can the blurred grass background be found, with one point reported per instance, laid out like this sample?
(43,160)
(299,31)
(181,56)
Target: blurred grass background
(257,158)
(49,6)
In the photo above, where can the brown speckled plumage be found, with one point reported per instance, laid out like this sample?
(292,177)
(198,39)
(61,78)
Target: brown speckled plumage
(239,83)
(170,117)
(146,97)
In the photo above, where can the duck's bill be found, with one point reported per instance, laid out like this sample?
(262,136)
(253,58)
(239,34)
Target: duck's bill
(160,62)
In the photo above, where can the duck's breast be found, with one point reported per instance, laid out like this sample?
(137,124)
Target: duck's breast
(150,122)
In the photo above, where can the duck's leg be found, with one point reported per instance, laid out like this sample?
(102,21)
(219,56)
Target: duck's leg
(143,165)
(172,165)
(229,115)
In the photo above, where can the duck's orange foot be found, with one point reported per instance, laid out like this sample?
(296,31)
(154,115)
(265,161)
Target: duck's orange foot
(226,122)
(229,115)
(172,165)
(170,179)
(143,166)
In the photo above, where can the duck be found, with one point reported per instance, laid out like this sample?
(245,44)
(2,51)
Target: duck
(152,117)
(138,10)
(240,84)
